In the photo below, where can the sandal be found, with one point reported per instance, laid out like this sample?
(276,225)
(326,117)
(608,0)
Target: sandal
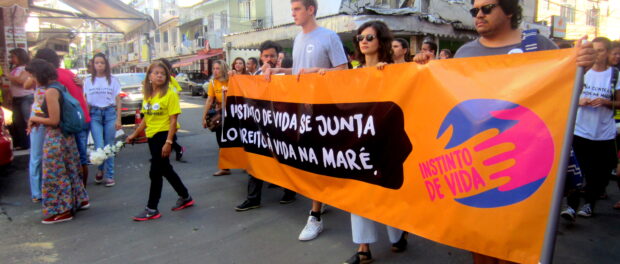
(360,257)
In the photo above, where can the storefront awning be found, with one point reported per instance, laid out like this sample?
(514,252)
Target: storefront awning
(112,13)
(189,61)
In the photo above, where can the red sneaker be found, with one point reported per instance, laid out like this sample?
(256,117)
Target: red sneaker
(58,218)
(84,205)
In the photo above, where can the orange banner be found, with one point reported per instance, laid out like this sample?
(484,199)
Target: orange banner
(463,151)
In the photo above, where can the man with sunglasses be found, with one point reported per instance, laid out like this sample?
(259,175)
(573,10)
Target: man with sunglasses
(314,49)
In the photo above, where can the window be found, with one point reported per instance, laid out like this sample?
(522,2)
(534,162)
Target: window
(224,21)
(567,11)
(173,36)
(165,42)
(247,9)
(211,22)
(592,17)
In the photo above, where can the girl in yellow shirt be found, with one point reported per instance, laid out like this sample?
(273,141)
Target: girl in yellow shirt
(161,109)
(216,87)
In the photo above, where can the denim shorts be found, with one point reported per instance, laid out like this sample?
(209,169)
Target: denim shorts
(81,139)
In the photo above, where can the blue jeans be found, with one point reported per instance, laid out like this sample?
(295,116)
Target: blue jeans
(81,140)
(37,135)
(102,122)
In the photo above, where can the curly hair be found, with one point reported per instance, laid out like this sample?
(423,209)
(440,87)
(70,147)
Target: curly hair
(21,55)
(42,70)
(48,55)
(384,36)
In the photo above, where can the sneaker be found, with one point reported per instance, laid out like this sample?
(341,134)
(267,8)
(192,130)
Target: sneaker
(99,177)
(312,229)
(183,203)
(288,198)
(568,214)
(360,258)
(84,205)
(585,211)
(247,205)
(67,216)
(401,245)
(179,154)
(109,182)
(147,214)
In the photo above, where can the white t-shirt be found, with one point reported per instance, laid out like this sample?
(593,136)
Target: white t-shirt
(596,123)
(101,93)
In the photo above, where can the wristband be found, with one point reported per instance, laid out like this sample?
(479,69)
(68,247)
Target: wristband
(169,141)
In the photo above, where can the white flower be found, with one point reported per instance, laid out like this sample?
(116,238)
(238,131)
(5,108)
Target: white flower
(97,157)
(119,144)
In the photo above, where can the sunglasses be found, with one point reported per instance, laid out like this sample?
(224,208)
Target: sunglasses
(485,10)
(369,37)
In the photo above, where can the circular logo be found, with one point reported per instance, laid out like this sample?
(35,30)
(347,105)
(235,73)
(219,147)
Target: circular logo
(155,106)
(532,155)
(309,48)
(515,51)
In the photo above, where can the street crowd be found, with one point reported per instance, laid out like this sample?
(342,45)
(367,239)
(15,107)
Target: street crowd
(59,161)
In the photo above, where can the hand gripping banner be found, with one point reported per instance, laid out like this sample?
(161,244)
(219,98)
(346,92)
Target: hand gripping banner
(463,152)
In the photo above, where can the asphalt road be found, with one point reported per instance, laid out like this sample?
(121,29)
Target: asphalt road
(212,232)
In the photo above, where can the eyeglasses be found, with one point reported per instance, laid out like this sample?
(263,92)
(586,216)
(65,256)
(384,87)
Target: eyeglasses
(485,10)
(369,37)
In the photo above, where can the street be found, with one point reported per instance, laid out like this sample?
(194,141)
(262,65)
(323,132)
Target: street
(213,232)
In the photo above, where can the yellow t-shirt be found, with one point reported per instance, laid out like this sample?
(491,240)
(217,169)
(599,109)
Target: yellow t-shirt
(174,85)
(157,111)
(215,89)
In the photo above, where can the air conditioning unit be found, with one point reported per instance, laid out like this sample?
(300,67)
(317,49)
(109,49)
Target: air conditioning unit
(257,23)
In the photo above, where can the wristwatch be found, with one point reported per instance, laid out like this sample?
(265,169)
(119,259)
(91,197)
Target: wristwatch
(169,141)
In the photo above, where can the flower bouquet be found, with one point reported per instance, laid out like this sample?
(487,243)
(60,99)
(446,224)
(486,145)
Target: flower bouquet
(97,157)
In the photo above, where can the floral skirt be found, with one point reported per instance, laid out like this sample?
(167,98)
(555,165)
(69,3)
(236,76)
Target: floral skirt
(62,189)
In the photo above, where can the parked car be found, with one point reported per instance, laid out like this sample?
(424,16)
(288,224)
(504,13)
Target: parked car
(131,92)
(6,142)
(192,82)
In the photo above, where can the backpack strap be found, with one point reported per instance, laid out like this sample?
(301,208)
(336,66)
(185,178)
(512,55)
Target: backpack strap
(529,40)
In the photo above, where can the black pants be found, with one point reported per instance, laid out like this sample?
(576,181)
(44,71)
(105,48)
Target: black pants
(161,167)
(21,114)
(175,145)
(255,189)
(596,159)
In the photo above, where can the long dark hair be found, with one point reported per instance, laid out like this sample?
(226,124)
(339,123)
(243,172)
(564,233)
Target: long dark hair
(107,71)
(244,71)
(21,55)
(384,36)
(403,43)
(147,89)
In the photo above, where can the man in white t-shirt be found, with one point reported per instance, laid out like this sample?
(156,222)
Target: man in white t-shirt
(314,49)
(595,130)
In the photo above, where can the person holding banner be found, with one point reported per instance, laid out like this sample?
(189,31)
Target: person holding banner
(315,49)
(373,48)
(216,87)
(161,108)
(595,130)
(497,22)
(268,54)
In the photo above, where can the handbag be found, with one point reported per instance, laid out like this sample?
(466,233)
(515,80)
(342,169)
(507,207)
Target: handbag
(214,115)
